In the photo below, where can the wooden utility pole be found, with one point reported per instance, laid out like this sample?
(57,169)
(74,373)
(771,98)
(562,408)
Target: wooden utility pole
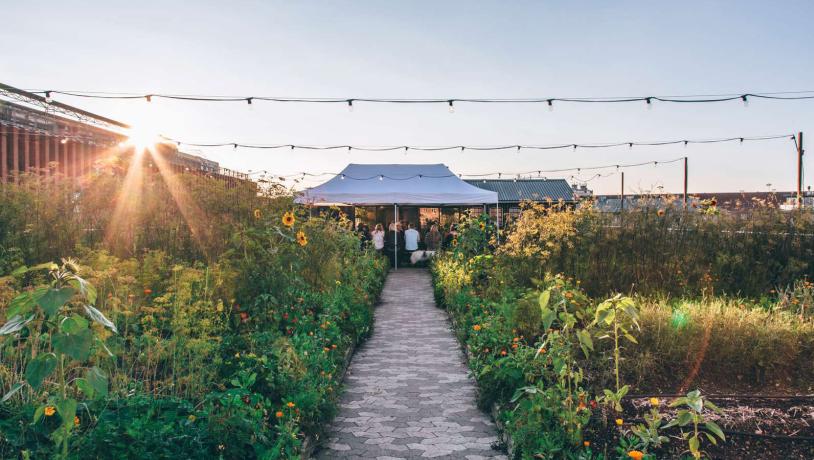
(622,195)
(800,152)
(685,182)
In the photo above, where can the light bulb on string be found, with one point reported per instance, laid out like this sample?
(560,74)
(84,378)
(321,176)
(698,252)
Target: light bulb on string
(451,107)
(630,145)
(249,101)
(550,105)
(48,99)
(745,101)
(342,177)
(350,105)
(685,143)
(381,177)
(649,103)
(148,98)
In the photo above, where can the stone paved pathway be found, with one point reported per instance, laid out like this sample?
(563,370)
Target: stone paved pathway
(407,393)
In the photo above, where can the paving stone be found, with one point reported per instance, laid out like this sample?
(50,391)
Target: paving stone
(408,394)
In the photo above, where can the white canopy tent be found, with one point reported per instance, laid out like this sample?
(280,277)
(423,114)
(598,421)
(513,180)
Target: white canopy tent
(400,184)
(396,184)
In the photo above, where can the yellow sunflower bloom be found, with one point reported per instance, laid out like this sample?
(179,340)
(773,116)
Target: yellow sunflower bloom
(302,240)
(50,410)
(257,214)
(289,219)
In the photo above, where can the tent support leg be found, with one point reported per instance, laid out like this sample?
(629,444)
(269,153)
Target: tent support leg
(497,221)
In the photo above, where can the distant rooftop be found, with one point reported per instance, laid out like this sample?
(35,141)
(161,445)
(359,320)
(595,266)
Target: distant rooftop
(511,190)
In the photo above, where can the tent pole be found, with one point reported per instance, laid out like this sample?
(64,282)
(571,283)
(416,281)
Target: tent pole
(497,220)
(396,235)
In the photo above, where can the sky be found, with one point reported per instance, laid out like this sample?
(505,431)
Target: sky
(432,49)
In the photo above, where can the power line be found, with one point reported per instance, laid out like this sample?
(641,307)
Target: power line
(518,147)
(449,101)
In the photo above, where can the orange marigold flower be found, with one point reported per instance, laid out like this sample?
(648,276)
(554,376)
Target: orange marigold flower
(290,404)
(635,454)
(76,421)
(516,339)
(587,443)
(660,212)
(50,410)
(476,327)
(279,414)
(503,353)
(148,291)
(289,219)
(302,240)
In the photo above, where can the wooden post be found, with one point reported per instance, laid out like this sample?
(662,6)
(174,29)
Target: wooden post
(47,154)
(26,151)
(622,201)
(800,152)
(36,147)
(685,182)
(15,152)
(3,154)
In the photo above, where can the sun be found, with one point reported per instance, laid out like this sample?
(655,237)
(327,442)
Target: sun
(142,138)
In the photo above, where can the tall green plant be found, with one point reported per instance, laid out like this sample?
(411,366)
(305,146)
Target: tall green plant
(57,314)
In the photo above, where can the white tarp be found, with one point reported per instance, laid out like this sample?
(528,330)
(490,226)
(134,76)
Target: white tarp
(402,184)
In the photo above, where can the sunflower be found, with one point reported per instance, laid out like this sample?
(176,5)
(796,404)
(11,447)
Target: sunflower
(302,240)
(50,410)
(288,219)
(257,214)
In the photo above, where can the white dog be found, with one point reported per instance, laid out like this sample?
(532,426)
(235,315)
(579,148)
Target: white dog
(421,256)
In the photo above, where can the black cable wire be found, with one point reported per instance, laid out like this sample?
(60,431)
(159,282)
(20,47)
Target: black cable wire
(518,147)
(781,95)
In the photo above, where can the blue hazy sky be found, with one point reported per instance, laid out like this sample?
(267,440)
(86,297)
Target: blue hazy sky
(439,49)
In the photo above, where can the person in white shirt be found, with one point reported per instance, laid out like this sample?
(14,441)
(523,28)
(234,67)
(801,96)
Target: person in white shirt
(378,237)
(411,238)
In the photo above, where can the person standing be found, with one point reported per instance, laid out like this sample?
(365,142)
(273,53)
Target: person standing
(411,238)
(378,238)
(433,239)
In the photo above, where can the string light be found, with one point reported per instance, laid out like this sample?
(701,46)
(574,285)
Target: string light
(48,99)
(745,100)
(350,105)
(451,107)
(650,99)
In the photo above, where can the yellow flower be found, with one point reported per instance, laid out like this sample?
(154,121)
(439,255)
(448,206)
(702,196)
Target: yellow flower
(288,219)
(290,404)
(302,240)
(191,418)
(76,421)
(50,410)
(220,307)
(635,454)
(482,226)
(619,422)
(654,402)
(257,214)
